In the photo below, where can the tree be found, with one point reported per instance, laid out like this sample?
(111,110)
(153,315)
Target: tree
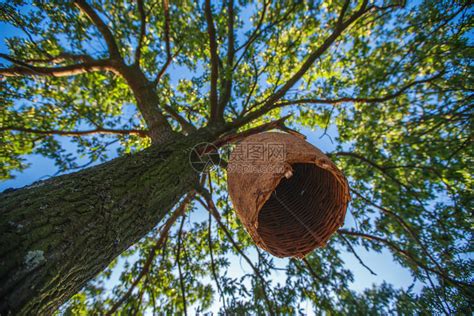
(394,78)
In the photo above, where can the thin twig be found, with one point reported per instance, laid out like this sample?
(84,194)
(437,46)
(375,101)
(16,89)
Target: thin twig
(103,131)
(178,257)
(463,286)
(355,254)
(210,206)
(146,266)
(369,162)
(24,69)
(402,223)
(213,268)
(311,271)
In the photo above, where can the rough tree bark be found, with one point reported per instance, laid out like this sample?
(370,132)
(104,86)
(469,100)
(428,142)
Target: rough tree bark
(58,234)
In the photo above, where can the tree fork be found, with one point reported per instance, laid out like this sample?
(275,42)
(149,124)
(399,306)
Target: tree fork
(60,233)
(148,102)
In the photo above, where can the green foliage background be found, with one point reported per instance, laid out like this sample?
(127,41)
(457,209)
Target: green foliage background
(397,85)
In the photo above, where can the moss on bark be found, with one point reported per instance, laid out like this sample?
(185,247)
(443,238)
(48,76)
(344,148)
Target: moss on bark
(58,234)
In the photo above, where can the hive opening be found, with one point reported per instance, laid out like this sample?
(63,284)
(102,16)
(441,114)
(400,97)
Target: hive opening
(304,208)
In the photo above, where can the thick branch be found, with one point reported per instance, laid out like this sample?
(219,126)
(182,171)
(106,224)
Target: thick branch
(340,20)
(103,131)
(235,137)
(226,94)
(359,100)
(315,55)
(169,57)
(24,69)
(138,51)
(62,57)
(214,61)
(166,12)
(148,102)
(185,125)
(101,26)
(269,104)
(145,94)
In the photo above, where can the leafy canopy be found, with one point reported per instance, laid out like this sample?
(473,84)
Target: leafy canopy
(393,78)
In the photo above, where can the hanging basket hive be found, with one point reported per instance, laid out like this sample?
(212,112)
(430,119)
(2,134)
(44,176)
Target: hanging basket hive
(290,197)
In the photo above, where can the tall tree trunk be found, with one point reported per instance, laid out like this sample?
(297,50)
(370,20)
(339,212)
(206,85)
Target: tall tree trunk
(58,234)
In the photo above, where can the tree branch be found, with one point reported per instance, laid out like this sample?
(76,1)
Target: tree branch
(311,270)
(348,243)
(384,172)
(213,268)
(178,257)
(258,30)
(316,54)
(463,286)
(255,32)
(169,57)
(101,26)
(18,21)
(62,57)
(227,91)
(210,206)
(235,137)
(103,131)
(403,224)
(360,99)
(340,20)
(256,76)
(24,69)
(214,62)
(269,104)
(138,50)
(148,263)
(413,235)
(185,125)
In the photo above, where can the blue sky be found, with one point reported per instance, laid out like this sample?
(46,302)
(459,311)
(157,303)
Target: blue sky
(382,263)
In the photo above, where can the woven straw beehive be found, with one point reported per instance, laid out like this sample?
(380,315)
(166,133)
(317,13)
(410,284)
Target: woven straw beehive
(290,197)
